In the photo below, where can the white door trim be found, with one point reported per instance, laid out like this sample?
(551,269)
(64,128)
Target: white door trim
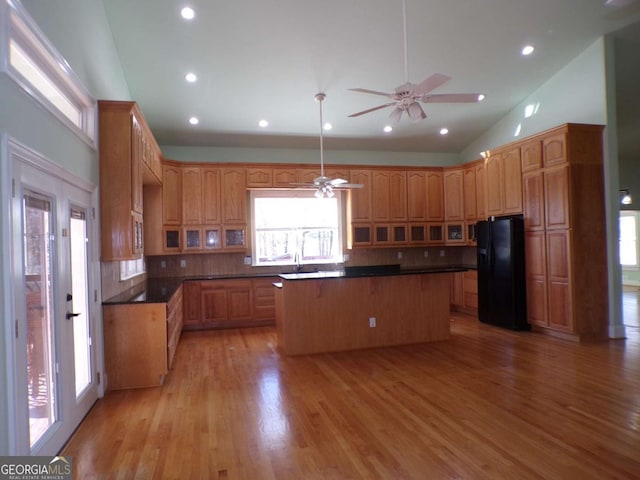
(14,156)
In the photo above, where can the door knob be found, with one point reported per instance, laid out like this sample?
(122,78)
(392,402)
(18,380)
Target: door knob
(71,315)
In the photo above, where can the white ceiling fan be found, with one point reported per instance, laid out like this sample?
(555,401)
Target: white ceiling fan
(323,185)
(406,96)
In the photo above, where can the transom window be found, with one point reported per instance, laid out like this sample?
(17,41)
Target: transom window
(293,227)
(33,63)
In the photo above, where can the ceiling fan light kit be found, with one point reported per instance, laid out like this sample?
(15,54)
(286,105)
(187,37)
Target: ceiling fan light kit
(407,96)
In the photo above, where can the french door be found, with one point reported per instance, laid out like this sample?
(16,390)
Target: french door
(54,304)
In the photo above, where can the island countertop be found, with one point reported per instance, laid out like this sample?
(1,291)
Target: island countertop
(372,271)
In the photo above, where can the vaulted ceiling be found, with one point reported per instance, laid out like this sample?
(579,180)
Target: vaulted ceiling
(266,59)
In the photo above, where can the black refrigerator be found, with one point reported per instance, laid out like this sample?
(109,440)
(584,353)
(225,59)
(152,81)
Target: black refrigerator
(502,294)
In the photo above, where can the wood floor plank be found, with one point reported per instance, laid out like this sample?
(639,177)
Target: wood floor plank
(486,404)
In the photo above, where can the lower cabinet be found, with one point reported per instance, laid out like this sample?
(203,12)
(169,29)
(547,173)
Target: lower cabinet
(140,341)
(229,303)
(464,292)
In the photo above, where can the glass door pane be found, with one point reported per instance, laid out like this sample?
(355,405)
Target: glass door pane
(38,283)
(79,303)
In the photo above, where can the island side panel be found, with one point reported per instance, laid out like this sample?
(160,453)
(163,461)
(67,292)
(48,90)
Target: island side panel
(324,315)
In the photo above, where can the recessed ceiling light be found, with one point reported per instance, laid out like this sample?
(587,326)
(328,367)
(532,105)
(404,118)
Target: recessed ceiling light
(387,129)
(481,97)
(444,131)
(188,13)
(263,123)
(191,77)
(194,120)
(327,126)
(528,50)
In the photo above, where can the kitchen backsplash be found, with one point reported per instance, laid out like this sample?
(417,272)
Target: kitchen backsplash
(233,263)
(111,283)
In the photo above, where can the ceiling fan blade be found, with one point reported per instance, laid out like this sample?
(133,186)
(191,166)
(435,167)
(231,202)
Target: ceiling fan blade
(372,109)
(452,98)
(336,182)
(416,112)
(349,185)
(431,83)
(372,92)
(396,115)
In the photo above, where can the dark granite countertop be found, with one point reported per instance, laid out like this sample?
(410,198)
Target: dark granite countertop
(161,289)
(373,271)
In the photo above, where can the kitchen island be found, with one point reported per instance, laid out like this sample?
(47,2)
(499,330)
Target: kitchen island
(334,311)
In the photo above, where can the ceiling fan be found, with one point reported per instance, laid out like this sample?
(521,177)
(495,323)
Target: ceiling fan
(406,96)
(323,185)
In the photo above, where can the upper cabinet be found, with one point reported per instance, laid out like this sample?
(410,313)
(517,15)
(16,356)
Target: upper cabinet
(389,192)
(360,204)
(504,182)
(128,159)
(171,194)
(435,196)
(234,195)
(453,194)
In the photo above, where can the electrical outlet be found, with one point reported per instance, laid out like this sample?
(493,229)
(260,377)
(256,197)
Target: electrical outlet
(345,257)
(183,263)
(399,255)
(247,260)
(372,322)
(442,253)
(163,264)
(426,253)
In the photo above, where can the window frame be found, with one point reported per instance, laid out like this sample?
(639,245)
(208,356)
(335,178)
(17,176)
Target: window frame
(636,216)
(296,193)
(20,29)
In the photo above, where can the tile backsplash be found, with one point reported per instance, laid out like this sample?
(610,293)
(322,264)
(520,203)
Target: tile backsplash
(233,263)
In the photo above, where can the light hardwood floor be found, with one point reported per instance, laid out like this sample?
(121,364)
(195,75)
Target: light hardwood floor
(486,404)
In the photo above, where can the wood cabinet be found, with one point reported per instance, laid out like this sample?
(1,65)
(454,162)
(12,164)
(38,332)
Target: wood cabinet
(136,164)
(565,240)
(464,292)
(504,182)
(211,195)
(234,195)
(556,192)
(389,193)
(453,194)
(536,277)
(416,196)
(284,177)
(191,304)
(124,142)
(171,194)
(534,200)
(512,181)
(435,196)
(495,179)
(531,155)
(140,342)
(195,216)
(481,190)
(360,198)
(229,303)
(470,191)
(192,195)
(259,177)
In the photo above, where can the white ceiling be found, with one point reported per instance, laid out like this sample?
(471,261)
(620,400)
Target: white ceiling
(268,58)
